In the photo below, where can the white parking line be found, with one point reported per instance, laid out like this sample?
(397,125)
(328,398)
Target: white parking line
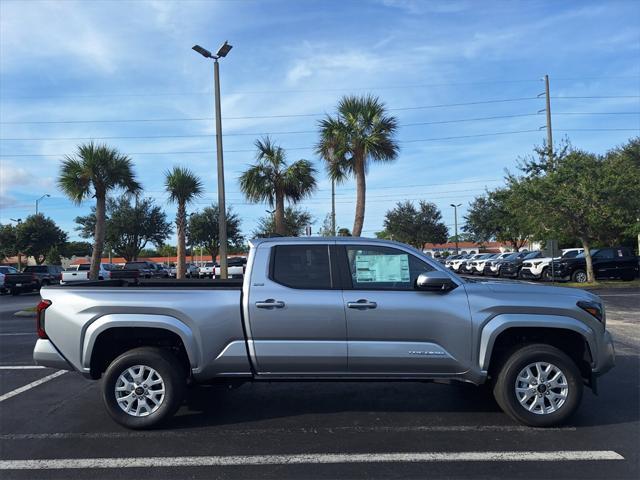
(217,433)
(31,385)
(312,458)
(31,334)
(21,367)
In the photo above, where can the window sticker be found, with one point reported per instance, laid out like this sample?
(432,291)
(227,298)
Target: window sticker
(382,268)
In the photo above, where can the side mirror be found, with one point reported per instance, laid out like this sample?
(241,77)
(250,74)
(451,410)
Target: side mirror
(435,281)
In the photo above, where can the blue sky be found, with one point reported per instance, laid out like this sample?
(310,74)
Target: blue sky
(107,61)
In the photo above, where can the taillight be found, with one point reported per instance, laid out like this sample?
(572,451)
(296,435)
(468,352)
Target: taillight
(42,306)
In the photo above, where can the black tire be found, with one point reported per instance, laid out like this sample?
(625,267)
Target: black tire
(546,274)
(15,292)
(504,389)
(166,364)
(579,276)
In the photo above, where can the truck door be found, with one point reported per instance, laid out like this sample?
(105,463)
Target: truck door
(296,316)
(395,329)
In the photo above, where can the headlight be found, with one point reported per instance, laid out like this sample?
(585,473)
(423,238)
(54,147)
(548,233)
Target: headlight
(595,309)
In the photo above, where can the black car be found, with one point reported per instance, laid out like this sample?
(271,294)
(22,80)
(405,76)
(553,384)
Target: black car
(511,265)
(147,269)
(618,263)
(32,278)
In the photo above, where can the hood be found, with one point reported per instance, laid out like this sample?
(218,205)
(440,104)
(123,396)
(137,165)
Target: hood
(518,288)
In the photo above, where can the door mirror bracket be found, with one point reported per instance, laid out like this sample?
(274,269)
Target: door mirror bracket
(435,281)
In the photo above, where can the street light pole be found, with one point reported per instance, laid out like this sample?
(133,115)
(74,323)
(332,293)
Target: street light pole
(455,222)
(38,200)
(222,215)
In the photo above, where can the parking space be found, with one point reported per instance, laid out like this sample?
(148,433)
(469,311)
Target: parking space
(320,430)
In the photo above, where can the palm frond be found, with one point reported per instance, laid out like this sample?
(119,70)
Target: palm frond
(298,180)
(182,185)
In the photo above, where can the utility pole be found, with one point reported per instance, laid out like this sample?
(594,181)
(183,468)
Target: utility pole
(548,110)
(333,207)
(455,222)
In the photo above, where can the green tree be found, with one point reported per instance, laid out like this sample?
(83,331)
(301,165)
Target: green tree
(92,172)
(53,256)
(359,134)
(295,222)
(326,230)
(76,249)
(37,235)
(272,180)
(582,195)
(168,250)
(129,226)
(502,214)
(183,187)
(415,226)
(204,228)
(8,241)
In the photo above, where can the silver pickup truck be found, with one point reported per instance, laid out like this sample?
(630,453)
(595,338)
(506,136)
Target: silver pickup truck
(327,309)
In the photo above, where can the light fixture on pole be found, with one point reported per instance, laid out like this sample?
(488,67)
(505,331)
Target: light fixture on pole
(455,222)
(46,195)
(222,216)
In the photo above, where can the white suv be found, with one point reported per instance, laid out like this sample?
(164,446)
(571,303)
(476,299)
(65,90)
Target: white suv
(539,268)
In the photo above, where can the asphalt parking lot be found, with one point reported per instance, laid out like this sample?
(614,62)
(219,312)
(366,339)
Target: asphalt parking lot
(314,430)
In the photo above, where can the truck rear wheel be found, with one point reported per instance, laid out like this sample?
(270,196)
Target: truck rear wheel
(143,387)
(538,386)
(579,276)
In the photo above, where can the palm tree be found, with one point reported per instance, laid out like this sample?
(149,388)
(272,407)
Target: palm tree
(361,133)
(183,187)
(272,180)
(94,171)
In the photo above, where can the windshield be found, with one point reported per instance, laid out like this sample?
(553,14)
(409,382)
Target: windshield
(135,266)
(532,255)
(512,256)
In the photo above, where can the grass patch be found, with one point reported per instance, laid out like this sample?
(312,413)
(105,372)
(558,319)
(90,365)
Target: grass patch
(602,284)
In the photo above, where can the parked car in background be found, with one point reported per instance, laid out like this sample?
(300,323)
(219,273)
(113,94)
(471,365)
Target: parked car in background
(207,270)
(191,270)
(493,267)
(147,269)
(617,263)
(476,265)
(235,267)
(455,264)
(511,266)
(79,273)
(540,268)
(5,269)
(465,266)
(450,259)
(32,278)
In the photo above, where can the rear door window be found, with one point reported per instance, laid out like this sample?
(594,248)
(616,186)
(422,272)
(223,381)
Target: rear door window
(301,266)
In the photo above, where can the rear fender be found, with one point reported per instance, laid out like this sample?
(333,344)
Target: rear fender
(119,320)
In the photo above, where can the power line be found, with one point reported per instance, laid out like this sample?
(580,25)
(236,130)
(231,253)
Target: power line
(422,107)
(291,148)
(339,89)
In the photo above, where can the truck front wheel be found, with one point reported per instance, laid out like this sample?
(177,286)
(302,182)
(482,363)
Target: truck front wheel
(538,386)
(143,387)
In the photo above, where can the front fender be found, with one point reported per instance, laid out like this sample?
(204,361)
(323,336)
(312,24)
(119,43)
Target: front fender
(500,323)
(119,320)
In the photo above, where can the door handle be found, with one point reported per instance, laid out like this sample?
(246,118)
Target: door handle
(362,304)
(270,304)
